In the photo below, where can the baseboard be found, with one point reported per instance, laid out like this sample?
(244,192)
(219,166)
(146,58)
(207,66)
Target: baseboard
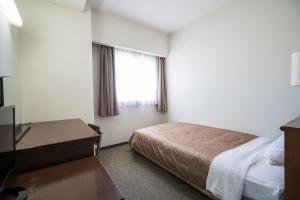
(113,145)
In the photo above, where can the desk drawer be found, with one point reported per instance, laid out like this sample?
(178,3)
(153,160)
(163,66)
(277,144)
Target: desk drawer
(53,154)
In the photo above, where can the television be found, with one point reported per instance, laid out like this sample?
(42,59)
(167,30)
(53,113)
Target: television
(7,144)
(10,95)
(7,154)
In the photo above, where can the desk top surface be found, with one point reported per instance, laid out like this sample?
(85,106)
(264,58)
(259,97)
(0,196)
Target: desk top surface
(81,179)
(292,125)
(53,132)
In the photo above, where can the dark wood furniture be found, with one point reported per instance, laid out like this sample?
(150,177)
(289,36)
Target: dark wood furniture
(292,159)
(55,142)
(55,160)
(81,179)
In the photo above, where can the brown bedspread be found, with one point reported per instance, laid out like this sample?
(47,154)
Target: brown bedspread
(186,150)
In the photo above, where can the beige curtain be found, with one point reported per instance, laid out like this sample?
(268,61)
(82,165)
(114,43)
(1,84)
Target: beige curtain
(161,86)
(108,105)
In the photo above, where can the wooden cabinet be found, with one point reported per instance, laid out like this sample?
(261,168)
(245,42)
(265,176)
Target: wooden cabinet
(292,159)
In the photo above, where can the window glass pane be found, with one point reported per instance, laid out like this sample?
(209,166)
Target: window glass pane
(136,78)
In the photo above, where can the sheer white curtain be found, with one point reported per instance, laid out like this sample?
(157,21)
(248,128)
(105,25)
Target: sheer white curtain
(136,78)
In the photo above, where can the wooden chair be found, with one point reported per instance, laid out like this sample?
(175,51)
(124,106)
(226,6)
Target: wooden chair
(98,130)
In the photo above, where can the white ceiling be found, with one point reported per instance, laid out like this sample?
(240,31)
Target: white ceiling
(165,15)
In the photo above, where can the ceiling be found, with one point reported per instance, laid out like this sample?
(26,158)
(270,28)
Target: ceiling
(165,15)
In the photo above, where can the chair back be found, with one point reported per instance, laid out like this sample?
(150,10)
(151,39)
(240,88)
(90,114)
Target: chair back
(98,130)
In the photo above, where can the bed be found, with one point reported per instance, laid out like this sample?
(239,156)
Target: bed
(189,152)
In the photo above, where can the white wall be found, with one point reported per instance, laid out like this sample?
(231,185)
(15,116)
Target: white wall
(9,64)
(232,68)
(56,63)
(8,44)
(118,32)
(118,129)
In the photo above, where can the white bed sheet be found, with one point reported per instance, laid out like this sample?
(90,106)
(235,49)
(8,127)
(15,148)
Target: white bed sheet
(228,170)
(264,181)
(244,171)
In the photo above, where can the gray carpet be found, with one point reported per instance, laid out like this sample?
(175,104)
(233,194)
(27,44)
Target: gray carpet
(140,179)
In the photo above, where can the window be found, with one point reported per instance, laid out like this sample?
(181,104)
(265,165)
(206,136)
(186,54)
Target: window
(136,78)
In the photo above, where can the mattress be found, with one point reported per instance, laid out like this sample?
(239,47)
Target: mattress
(186,150)
(264,181)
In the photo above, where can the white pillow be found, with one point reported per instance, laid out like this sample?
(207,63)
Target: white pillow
(275,151)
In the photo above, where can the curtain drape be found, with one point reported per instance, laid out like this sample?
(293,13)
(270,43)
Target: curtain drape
(162,105)
(108,105)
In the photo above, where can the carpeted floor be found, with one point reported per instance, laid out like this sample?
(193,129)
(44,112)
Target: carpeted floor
(141,179)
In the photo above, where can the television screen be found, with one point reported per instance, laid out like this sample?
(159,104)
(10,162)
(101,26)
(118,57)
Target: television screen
(7,143)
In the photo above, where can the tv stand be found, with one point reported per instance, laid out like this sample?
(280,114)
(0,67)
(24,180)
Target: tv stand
(15,193)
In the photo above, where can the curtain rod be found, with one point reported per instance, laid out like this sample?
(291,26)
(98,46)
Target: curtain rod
(130,49)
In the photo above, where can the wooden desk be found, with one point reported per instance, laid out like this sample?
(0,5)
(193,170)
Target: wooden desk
(81,179)
(55,142)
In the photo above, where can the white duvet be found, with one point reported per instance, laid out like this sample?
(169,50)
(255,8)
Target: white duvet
(228,170)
